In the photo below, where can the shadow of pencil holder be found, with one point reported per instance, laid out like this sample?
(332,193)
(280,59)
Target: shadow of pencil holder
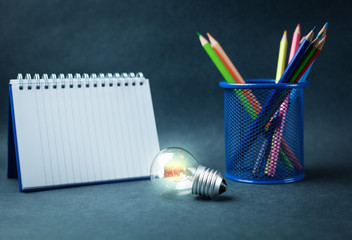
(264,131)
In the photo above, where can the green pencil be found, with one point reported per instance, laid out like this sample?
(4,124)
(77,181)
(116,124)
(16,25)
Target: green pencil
(226,74)
(216,60)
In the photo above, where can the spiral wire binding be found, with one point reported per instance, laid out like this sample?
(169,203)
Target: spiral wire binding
(125,78)
(54,80)
(118,77)
(62,80)
(109,76)
(37,80)
(70,78)
(102,77)
(46,81)
(86,78)
(29,79)
(95,81)
(79,80)
(20,80)
(141,77)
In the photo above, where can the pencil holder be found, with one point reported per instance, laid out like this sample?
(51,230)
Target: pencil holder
(264,131)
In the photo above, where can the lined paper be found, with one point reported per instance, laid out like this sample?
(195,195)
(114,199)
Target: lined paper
(74,135)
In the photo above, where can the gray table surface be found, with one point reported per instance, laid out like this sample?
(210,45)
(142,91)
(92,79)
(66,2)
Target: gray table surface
(319,206)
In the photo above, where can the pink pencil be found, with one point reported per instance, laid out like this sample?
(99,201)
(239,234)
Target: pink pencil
(295,42)
(276,141)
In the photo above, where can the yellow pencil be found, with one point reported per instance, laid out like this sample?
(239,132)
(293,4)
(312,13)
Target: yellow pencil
(282,57)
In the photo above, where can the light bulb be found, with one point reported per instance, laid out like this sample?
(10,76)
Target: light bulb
(175,171)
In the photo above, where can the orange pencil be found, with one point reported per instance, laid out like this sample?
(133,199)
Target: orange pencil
(225,59)
(233,71)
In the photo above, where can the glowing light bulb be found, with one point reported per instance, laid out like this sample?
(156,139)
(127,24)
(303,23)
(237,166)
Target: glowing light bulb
(175,171)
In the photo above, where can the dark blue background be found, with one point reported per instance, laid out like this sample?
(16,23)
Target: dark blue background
(159,39)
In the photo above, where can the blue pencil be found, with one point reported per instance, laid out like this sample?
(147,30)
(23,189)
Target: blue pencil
(264,150)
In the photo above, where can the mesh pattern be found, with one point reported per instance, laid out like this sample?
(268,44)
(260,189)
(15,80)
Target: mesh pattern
(264,134)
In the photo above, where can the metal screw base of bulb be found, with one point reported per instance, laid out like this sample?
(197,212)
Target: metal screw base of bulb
(208,183)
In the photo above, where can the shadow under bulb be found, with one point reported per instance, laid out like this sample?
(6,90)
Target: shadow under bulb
(175,171)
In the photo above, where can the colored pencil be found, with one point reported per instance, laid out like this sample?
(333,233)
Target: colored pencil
(294,47)
(230,74)
(310,38)
(314,48)
(225,59)
(272,104)
(233,71)
(295,42)
(280,70)
(311,60)
(293,158)
(297,57)
(321,34)
(216,60)
(264,150)
(323,30)
(282,144)
(276,141)
(282,57)
(226,74)
(258,126)
(308,58)
(307,55)
(238,78)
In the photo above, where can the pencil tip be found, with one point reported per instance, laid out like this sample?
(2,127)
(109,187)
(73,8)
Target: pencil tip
(198,34)
(298,29)
(209,36)
(314,28)
(326,24)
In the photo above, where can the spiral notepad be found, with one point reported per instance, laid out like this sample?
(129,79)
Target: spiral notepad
(82,129)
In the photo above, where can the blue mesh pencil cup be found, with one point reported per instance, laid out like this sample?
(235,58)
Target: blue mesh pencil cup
(264,131)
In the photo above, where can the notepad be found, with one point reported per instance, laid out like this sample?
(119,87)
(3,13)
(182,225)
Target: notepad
(77,130)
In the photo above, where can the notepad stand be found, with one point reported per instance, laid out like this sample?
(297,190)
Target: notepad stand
(73,130)
(265,146)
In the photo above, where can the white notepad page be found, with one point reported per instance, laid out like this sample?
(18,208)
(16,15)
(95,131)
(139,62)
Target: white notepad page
(76,130)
